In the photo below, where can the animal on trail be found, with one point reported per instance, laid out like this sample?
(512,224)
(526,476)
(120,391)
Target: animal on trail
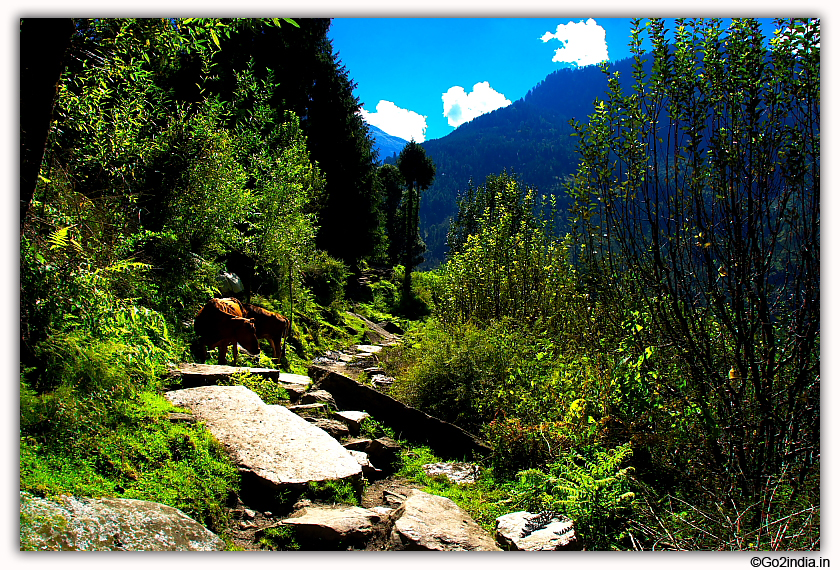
(221,323)
(269,325)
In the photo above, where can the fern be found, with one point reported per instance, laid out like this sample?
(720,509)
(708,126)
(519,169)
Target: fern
(594,492)
(60,239)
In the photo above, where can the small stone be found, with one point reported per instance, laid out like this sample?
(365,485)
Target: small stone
(367,348)
(456,472)
(352,419)
(249,514)
(246,525)
(393,499)
(318,397)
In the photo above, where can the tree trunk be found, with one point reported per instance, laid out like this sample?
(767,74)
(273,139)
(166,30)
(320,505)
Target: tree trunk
(43,44)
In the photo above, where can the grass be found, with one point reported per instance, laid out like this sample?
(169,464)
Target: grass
(134,452)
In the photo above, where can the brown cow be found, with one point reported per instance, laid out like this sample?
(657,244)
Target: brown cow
(220,323)
(269,325)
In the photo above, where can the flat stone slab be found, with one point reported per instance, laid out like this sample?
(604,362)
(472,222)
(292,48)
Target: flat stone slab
(367,348)
(79,523)
(273,444)
(192,374)
(287,378)
(334,524)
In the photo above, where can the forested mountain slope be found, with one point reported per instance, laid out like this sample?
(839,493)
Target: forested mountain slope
(530,138)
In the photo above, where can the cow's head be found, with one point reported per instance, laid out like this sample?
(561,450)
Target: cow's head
(246,335)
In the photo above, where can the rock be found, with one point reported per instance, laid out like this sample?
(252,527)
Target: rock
(368,470)
(382,380)
(536,531)
(356,444)
(271,445)
(383,452)
(310,410)
(332,427)
(412,424)
(191,374)
(455,472)
(318,397)
(393,499)
(71,523)
(340,524)
(249,514)
(429,522)
(384,336)
(294,384)
(352,419)
(367,349)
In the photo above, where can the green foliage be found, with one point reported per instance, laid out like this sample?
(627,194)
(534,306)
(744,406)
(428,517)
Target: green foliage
(696,197)
(279,538)
(594,491)
(506,261)
(325,277)
(267,389)
(335,491)
(372,429)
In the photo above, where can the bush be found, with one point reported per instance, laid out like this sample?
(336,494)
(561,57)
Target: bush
(325,277)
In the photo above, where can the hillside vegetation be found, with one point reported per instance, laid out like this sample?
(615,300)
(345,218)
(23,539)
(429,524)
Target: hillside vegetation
(635,331)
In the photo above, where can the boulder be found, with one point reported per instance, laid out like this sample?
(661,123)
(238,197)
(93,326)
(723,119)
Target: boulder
(353,420)
(455,472)
(368,469)
(190,374)
(71,523)
(294,384)
(429,522)
(318,397)
(338,525)
(271,445)
(356,444)
(536,531)
(383,452)
(310,410)
(332,427)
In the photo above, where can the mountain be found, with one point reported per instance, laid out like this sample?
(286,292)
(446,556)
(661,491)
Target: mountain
(530,138)
(386,144)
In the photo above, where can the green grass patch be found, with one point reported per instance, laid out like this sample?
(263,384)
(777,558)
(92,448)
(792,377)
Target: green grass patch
(132,451)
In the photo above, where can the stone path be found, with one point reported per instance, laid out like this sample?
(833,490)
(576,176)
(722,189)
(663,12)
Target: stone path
(284,448)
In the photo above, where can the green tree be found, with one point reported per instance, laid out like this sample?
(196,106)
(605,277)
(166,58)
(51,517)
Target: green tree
(697,201)
(307,78)
(392,188)
(418,172)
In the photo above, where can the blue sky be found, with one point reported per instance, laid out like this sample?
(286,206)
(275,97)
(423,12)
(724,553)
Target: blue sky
(422,77)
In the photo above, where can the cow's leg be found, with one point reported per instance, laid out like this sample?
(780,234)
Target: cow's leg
(235,352)
(222,354)
(273,349)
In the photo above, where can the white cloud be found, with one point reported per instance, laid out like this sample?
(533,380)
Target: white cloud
(584,43)
(397,121)
(461,107)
